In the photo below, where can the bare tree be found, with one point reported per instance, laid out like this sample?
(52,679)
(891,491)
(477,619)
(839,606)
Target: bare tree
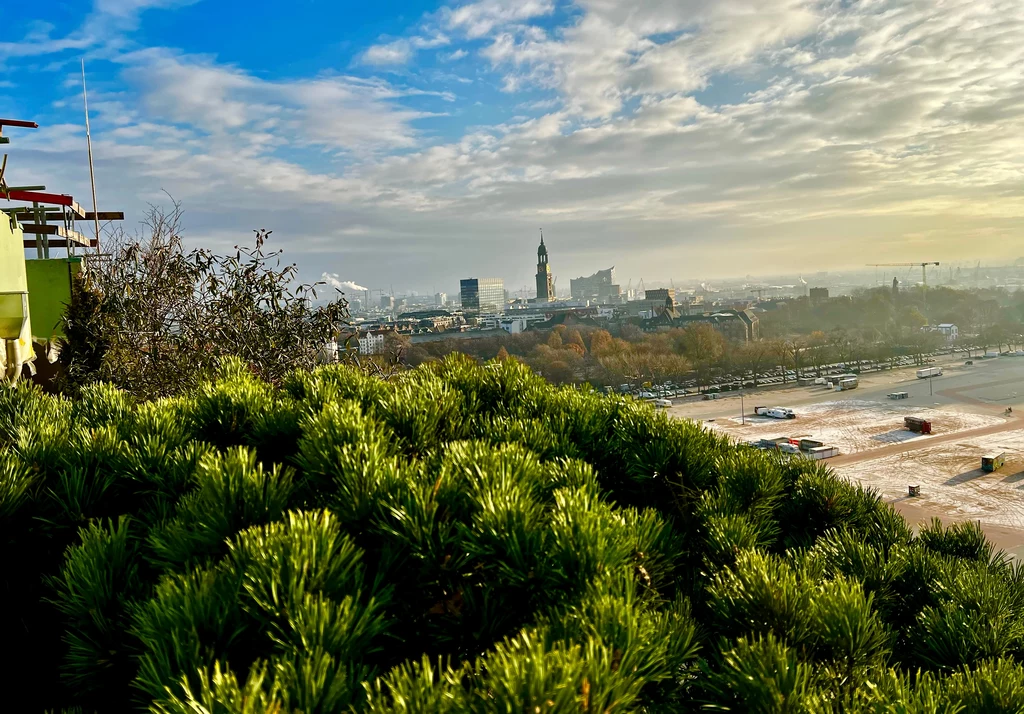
(167,316)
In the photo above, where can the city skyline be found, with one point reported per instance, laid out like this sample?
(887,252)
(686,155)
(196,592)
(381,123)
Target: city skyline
(416,143)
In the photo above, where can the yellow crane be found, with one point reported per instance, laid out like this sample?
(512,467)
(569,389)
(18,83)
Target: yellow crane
(924,275)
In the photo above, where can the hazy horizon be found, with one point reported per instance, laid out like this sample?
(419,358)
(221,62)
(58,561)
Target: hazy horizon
(414,143)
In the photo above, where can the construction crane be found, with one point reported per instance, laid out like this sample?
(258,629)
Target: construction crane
(924,276)
(923,266)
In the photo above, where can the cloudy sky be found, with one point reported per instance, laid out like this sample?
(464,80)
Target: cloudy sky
(412,143)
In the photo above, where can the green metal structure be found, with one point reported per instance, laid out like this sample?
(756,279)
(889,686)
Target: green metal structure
(15,324)
(35,293)
(49,292)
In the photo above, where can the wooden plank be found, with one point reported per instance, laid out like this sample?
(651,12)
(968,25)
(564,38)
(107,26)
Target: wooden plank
(31,214)
(49,229)
(54,230)
(19,122)
(61,243)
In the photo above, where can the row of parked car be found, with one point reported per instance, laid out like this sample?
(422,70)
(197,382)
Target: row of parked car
(658,392)
(730,383)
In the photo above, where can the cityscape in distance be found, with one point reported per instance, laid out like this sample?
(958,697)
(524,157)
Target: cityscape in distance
(512,356)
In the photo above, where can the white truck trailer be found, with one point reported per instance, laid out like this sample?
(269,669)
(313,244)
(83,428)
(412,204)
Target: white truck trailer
(929,372)
(775,412)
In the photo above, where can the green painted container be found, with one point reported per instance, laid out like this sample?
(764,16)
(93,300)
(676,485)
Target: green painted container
(49,292)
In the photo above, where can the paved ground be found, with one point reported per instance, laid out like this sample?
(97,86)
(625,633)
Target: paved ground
(967,406)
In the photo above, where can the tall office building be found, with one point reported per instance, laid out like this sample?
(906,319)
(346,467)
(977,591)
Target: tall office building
(482,294)
(440,299)
(545,283)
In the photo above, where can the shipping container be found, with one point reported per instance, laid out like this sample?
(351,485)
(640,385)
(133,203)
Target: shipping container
(899,395)
(808,444)
(918,425)
(993,463)
(929,372)
(823,452)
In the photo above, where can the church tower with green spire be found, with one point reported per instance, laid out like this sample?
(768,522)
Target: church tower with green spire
(545,283)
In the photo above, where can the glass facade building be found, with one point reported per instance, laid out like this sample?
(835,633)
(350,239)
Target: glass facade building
(483,294)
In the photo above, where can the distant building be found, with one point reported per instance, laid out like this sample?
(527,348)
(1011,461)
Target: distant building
(440,299)
(371,343)
(735,325)
(387,302)
(545,283)
(431,320)
(895,287)
(948,330)
(600,286)
(520,323)
(662,295)
(818,294)
(483,294)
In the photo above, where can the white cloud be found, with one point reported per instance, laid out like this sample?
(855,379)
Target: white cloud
(341,112)
(132,8)
(478,19)
(103,27)
(617,50)
(400,51)
(397,52)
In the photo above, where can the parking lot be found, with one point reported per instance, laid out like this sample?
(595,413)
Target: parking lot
(967,407)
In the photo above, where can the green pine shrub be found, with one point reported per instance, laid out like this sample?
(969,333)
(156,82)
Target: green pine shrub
(467,538)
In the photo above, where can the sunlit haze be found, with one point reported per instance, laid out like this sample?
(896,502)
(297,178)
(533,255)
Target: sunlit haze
(416,143)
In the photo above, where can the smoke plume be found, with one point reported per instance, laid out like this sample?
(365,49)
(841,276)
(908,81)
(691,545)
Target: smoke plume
(334,281)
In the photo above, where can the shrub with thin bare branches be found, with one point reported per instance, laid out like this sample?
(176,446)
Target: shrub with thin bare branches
(167,316)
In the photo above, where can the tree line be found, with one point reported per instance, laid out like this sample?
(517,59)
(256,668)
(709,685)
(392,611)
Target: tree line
(799,336)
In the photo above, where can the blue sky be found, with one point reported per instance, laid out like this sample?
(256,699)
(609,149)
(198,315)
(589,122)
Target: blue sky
(416,143)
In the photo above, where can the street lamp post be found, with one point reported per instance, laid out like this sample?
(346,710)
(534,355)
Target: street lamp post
(743,412)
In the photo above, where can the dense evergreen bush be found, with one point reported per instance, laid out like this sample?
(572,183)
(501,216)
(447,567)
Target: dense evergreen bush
(467,539)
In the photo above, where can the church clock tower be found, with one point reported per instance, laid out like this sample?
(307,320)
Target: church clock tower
(545,283)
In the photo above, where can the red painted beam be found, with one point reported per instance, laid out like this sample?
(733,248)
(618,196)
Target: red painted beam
(19,122)
(58,199)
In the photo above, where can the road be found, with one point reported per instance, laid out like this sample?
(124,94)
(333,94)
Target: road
(987,387)
(924,443)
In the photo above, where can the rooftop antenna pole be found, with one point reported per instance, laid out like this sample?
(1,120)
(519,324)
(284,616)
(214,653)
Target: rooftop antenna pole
(92,172)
